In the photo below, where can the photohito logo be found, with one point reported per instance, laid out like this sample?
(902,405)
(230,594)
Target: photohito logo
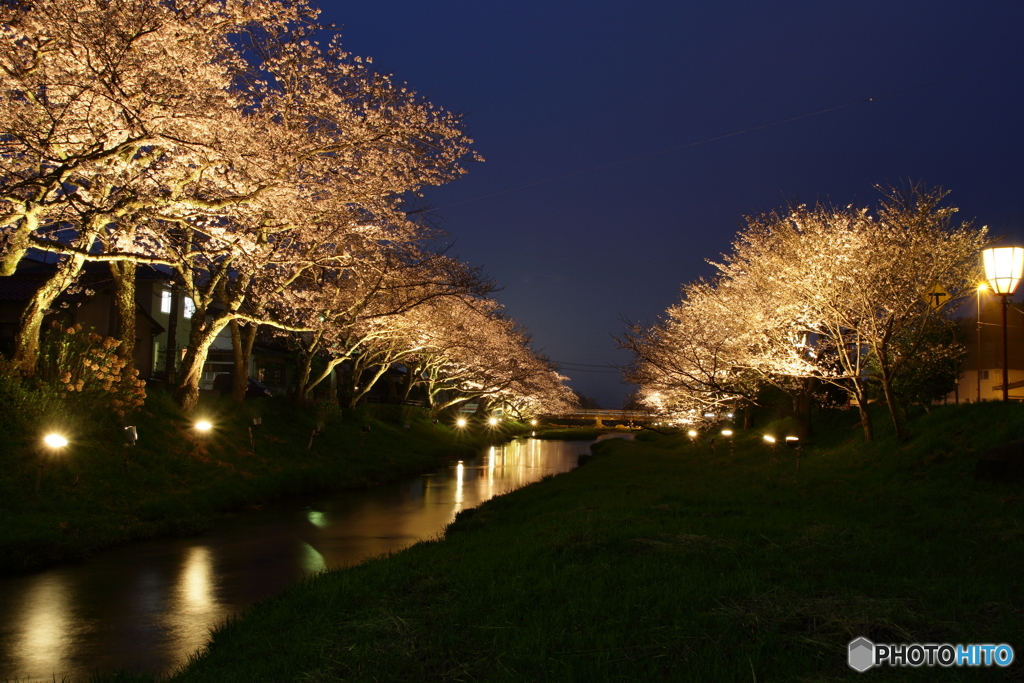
(863,654)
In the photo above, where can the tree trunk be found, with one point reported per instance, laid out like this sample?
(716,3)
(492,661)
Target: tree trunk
(26,341)
(186,393)
(171,361)
(242,341)
(18,243)
(894,408)
(124,299)
(309,383)
(802,402)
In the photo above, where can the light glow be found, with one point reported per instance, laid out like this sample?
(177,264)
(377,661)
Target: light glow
(792,438)
(461,422)
(493,421)
(769,439)
(691,433)
(55,441)
(1003,268)
(726,432)
(203,426)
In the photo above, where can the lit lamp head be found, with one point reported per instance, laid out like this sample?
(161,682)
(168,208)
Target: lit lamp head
(533,423)
(727,433)
(769,440)
(493,421)
(203,426)
(461,422)
(1003,268)
(55,441)
(692,433)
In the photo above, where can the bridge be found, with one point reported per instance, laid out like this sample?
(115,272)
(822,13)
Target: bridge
(599,416)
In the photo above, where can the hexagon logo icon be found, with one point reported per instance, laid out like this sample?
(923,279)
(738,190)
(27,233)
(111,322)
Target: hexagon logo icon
(862,654)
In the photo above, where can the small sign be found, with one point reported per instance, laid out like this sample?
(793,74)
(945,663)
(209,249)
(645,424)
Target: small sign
(936,297)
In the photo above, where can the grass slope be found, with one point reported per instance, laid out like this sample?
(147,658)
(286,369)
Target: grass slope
(661,560)
(174,482)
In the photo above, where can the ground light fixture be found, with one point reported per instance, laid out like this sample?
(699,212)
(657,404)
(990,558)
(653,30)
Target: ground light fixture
(461,422)
(692,434)
(794,442)
(1003,269)
(203,426)
(533,423)
(727,433)
(53,442)
(770,440)
(493,421)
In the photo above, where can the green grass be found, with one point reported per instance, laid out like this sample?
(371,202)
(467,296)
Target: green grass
(175,483)
(661,560)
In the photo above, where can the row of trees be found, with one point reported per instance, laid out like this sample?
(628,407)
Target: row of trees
(818,297)
(275,177)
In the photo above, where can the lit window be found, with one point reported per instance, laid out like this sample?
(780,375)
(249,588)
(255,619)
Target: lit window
(190,307)
(165,301)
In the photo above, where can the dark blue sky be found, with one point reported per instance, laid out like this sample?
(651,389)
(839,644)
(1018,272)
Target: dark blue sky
(617,94)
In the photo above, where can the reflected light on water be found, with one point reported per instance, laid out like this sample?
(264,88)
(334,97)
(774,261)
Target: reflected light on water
(45,632)
(311,560)
(194,607)
(459,474)
(195,587)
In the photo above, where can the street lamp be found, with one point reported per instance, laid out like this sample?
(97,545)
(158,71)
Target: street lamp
(1003,267)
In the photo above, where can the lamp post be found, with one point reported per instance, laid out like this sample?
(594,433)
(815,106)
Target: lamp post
(982,287)
(727,433)
(1003,266)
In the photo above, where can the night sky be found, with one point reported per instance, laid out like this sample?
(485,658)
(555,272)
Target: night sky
(626,141)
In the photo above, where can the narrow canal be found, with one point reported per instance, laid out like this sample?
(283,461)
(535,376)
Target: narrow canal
(147,606)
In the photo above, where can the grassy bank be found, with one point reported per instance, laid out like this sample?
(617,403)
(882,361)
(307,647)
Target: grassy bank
(661,560)
(98,492)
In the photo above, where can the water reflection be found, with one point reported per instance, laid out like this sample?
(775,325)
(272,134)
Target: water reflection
(45,636)
(147,606)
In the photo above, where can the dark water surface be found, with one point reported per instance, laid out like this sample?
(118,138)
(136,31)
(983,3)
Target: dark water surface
(146,606)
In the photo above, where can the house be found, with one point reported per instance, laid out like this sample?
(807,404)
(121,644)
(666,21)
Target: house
(981,374)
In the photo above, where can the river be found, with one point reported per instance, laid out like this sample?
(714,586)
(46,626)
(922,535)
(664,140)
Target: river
(146,606)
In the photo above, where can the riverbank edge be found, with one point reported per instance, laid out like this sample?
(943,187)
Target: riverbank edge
(660,555)
(176,484)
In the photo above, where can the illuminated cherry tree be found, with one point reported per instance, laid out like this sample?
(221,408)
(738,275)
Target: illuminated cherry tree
(822,294)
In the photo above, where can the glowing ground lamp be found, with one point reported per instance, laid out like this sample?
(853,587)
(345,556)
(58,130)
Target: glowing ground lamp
(692,434)
(727,433)
(794,442)
(461,422)
(1003,268)
(493,422)
(53,443)
(770,440)
(203,426)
